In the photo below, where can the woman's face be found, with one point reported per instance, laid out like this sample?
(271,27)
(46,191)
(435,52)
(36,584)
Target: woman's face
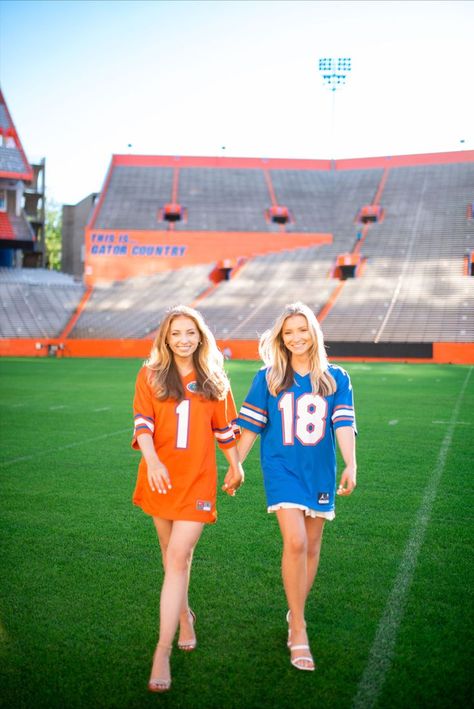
(296,335)
(183,337)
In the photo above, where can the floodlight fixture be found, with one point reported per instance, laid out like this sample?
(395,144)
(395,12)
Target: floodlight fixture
(334,71)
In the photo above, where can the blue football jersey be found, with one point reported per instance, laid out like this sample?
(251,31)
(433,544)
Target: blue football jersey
(298,451)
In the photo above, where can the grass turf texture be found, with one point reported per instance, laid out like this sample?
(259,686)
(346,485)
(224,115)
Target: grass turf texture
(81,573)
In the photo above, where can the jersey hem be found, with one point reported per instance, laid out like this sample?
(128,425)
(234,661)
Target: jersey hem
(175,518)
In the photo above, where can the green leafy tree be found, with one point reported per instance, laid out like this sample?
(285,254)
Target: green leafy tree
(53,228)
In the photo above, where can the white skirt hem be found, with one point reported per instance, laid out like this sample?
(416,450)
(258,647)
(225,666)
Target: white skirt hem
(308,511)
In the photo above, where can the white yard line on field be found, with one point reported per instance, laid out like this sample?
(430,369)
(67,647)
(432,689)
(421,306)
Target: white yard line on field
(458,423)
(35,455)
(381,652)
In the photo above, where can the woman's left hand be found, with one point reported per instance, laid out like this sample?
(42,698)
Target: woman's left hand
(233,480)
(348,481)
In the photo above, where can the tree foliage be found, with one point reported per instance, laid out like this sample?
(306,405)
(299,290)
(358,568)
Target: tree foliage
(53,229)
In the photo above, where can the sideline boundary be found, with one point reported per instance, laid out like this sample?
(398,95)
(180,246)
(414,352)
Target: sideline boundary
(381,652)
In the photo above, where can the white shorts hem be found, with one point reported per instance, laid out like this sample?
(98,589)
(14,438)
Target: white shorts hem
(308,511)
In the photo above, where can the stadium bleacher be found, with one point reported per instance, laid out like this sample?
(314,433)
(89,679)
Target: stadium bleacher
(233,201)
(242,308)
(36,302)
(133,308)
(134,196)
(411,287)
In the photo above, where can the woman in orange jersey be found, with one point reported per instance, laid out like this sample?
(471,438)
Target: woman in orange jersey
(182,405)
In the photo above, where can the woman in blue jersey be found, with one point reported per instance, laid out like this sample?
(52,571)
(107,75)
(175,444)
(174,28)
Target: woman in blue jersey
(300,405)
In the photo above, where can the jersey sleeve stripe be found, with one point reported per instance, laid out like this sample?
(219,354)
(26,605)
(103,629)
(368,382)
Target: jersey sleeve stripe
(252,415)
(236,429)
(251,420)
(343,413)
(142,428)
(226,440)
(227,444)
(144,422)
(255,408)
(223,434)
(225,437)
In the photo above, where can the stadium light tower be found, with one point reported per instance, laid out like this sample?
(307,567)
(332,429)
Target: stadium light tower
(334,73)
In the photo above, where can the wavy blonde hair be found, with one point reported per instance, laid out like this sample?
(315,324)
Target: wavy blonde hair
(208,361)
(277,357)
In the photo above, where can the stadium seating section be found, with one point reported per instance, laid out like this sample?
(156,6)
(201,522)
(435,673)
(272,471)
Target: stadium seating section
(133,308)
(36,302)
(411,287)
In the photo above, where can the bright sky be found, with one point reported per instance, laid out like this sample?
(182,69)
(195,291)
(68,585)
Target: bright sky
(84,80)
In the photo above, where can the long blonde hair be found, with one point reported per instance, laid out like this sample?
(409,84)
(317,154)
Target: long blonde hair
(277,357)
(208,361)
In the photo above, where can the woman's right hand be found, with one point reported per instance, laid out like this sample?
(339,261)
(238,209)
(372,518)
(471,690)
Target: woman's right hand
(158,477)
(234,479)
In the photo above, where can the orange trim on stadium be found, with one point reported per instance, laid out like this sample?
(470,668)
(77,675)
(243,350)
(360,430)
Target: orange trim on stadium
(385,161)
(443,352)
(405,160)
(323,313)
(113,255)
(218,161)
(84,300)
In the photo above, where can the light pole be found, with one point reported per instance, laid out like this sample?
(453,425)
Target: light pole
(334,72)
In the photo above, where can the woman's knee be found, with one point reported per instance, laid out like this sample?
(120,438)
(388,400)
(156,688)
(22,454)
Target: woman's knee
(178,559)
(295,544)
(314,549)
(315,537)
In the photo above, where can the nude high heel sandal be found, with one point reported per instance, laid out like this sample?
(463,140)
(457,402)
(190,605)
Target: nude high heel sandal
(157,684)
(189,645)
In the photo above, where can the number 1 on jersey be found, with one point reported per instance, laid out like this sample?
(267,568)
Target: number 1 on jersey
(182,429)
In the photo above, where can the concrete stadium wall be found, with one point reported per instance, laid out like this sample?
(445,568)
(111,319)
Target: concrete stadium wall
(441,352)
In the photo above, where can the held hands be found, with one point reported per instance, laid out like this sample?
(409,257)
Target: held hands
(158,477)
(348,481)
(233,479)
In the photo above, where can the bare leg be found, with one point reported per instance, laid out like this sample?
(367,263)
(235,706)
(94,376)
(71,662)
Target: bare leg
(314,535)
(182,540)
(295,576)
(186,624)
(163,529)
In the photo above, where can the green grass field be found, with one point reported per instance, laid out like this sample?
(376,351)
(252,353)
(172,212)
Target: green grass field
(389,618)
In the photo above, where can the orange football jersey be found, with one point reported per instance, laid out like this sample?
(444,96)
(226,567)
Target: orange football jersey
(184,435)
